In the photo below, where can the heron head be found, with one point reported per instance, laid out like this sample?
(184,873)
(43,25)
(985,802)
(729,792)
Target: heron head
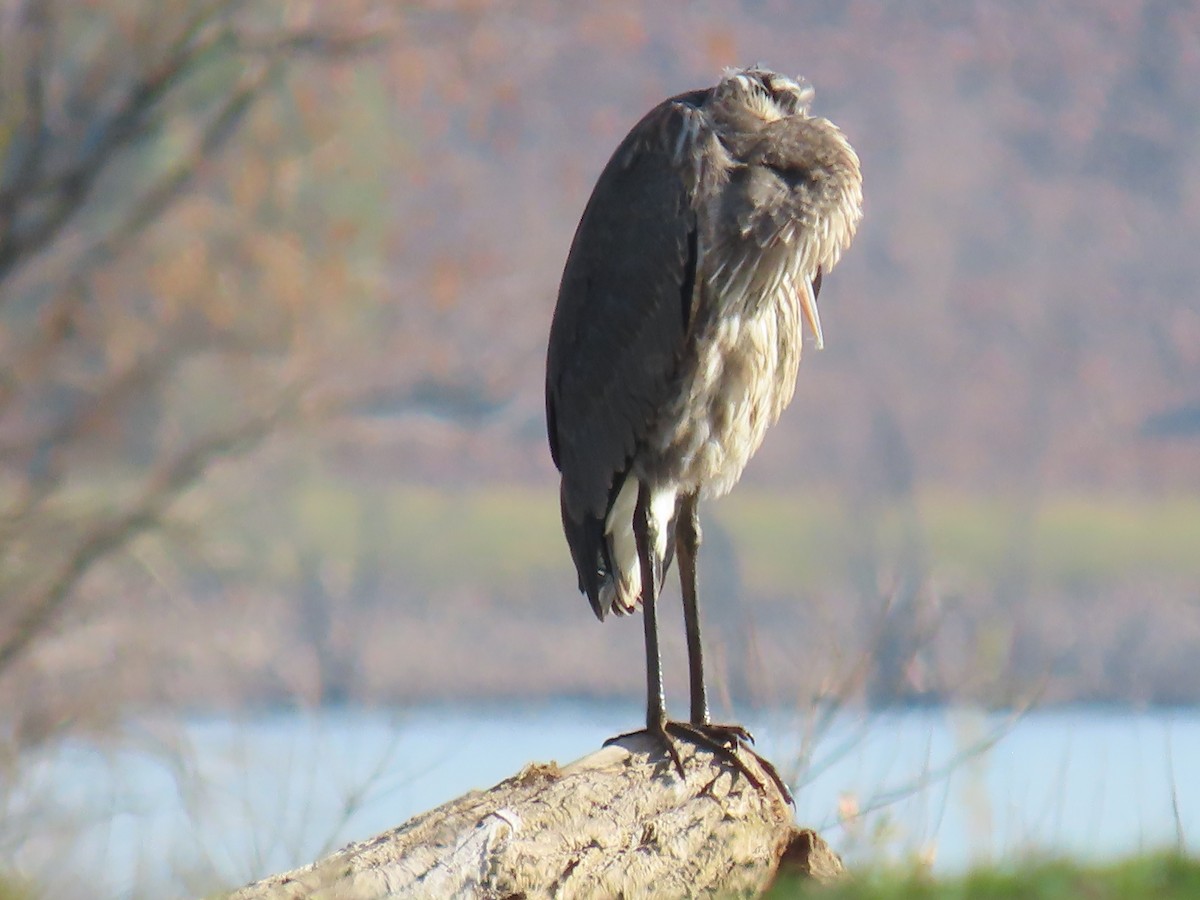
(767,94)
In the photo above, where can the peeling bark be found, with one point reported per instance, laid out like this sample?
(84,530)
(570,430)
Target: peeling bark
(619,822)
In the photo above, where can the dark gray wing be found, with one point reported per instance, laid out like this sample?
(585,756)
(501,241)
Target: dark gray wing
(623,305)
(623,310)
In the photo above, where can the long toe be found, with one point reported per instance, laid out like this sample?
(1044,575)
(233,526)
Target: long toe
(770,769)
(660,736)
(726,741)
(732,735)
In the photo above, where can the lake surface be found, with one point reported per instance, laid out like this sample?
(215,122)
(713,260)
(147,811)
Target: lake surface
(175,809)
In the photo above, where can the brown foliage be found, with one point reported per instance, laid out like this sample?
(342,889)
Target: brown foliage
(158,292)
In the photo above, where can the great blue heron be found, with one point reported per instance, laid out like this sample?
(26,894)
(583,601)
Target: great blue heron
(677,335)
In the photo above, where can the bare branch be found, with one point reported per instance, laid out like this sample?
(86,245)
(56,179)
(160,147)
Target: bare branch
(323,41)
(146,210)
(103,403)
(170,186)
(32,141)
(52,174)
(66,191)
(106,537)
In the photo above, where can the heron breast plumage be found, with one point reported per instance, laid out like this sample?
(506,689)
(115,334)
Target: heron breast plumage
(737,377)
(734,384)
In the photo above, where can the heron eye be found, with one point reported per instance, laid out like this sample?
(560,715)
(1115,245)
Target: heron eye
(795,176)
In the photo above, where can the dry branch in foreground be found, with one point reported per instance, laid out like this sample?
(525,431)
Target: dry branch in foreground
(619,822)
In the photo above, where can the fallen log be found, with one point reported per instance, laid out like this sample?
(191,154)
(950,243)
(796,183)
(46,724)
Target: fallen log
(619,822)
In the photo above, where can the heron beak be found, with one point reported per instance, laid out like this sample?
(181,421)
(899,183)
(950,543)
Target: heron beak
(808,303)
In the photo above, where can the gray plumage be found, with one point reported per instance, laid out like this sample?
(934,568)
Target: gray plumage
(678,330)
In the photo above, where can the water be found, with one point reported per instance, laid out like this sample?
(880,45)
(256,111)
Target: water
(176,810)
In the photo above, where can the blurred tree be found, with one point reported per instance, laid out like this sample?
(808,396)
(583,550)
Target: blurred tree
(170,280)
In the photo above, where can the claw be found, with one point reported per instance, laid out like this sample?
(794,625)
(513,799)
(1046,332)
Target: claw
(724,741)
(732,735)
(660,734)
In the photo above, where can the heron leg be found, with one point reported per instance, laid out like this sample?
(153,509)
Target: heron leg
(687,545)
(645,541)
(656,705)
(722,739)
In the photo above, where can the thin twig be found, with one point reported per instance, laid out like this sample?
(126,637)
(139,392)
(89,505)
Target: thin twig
(149,207)
(65,192)
(37,40)
(107,537)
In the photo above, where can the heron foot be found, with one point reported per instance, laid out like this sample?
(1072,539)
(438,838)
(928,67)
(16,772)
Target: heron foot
(729,735)
(658,732)
(724,741)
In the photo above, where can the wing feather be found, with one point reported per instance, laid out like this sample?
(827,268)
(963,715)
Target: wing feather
(624,306)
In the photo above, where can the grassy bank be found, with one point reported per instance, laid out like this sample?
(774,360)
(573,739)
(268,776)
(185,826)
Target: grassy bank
(380,593)
(1165,877)
(503,534)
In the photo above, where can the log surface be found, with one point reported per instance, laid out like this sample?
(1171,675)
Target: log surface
(619,822)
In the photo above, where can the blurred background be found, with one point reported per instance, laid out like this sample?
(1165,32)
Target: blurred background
(275,285)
